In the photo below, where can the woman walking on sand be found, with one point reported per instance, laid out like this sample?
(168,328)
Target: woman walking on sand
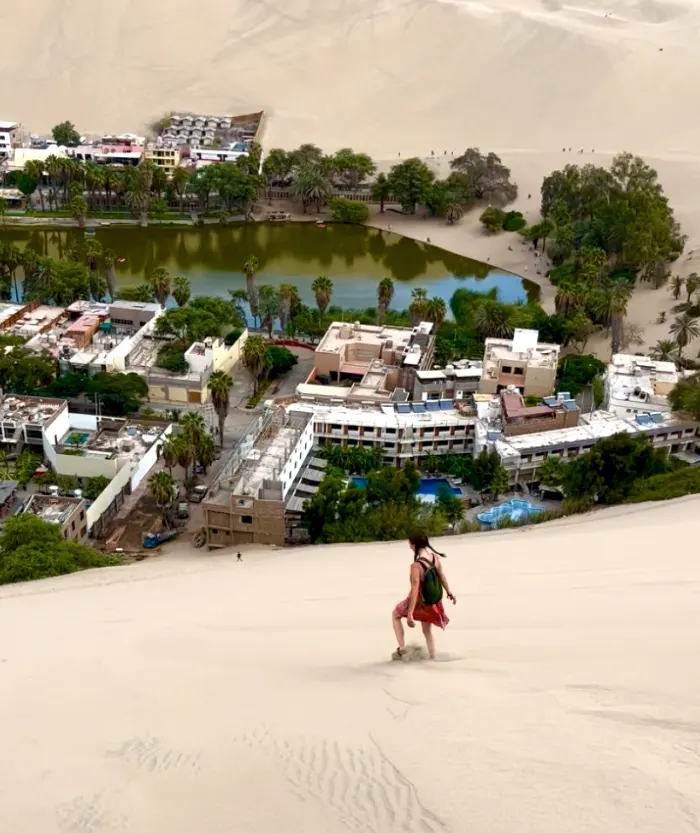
(424,602)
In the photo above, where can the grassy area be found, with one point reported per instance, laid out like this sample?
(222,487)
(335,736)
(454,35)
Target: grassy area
(666,486)
(262,389)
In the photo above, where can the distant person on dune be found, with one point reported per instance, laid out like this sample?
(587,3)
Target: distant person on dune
(424,602)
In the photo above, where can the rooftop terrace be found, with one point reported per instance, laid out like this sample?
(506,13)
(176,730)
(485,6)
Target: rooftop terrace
(523,347)
(29,409)
(53,509)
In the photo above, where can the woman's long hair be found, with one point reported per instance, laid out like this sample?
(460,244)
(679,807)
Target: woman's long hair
(420,542)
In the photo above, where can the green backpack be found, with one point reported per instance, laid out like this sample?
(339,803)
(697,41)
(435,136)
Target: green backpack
(431,585)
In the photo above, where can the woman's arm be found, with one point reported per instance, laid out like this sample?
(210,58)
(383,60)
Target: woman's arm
(413,595)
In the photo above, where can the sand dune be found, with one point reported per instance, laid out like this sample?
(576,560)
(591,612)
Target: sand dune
(191,692)
(378,74)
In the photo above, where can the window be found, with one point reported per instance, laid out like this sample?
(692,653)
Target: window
(83,531)
(82,514)
(246,519)
(506,369)
(72,526)
(518,371)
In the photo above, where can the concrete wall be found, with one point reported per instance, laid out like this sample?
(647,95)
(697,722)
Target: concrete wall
(296,460)
(149,459)
(108,495)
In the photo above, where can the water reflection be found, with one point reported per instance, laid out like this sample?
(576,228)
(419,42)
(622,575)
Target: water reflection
(354,257)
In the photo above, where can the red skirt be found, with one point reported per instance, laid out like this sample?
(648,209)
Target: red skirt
(434,614)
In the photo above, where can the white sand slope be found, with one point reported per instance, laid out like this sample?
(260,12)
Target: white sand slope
(195,693)
(382,75)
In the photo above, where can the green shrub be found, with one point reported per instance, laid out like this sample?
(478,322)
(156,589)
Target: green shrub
(677,483)
(172,359)
(281,361)
(348,211)
(232,337)
(492,219)
(513,221)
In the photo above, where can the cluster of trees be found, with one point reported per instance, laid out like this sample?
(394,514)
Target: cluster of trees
(84,188)
(193,446)
(31,548)
(485,473)
(603,230)
(475,177)
(20,468)
(265,361)
(576,372)
(608,473)
(83,272)
(119,394)
(386,509)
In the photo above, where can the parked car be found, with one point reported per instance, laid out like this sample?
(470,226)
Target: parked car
(197,494)
(183,510)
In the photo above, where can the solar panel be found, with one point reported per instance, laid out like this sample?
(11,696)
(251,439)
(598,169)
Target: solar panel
(446,405)
(403,409)
(656,417)
(492,436)
(570,405)
(550,400)
(419,407)
(432,406)
(564,394)
(643,419)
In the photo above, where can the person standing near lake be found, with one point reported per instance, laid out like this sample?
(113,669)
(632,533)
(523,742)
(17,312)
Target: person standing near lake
(424,601)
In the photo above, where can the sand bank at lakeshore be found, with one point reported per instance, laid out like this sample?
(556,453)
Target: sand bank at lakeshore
(190,692)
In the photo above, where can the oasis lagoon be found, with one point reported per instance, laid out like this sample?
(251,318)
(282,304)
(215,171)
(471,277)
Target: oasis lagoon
(354,257)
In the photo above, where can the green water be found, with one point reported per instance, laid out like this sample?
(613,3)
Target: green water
(355,258)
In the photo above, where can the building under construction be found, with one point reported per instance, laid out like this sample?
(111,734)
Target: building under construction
(246,503)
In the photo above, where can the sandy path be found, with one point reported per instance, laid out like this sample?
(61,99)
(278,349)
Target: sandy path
(192,692)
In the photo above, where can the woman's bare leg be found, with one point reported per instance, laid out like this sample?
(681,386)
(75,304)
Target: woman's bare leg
(429,638)
(398,630)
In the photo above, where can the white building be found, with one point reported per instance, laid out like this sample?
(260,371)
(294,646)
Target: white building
(522,455)
(403,431)
(639,385)
(8,131)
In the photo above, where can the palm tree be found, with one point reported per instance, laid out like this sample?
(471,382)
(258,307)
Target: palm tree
(206,451)
(288,299)
(692,284)
(108,259)
(53,168)
(322,288)
(312,187)
(256,359)
(381,191)
(385,294)
(250,268)
(181,290)
(159,281)
(109,178)
(610,307)
(436,311)
(193,429)
(34,169)
(168,451)
(570,295)
(269,302)
(239,298)
(418,308)
(676,286)
(163,489)
(454,212)
(493,320)
(685,329)
(665,350)
(185,452)
(219,385)
(181,179)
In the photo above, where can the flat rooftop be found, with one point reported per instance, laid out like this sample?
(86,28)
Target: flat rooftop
(131,439)
(134,305)
(38,320)
(403,415)
(339,334)
(8,310)
(522,347)
(639,379)
(29,409)
(52,509)
(592,427)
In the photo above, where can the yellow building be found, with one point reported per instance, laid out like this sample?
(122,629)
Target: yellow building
(167,158)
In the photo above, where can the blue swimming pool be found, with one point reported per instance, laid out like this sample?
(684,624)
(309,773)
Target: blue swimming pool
(429,488)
